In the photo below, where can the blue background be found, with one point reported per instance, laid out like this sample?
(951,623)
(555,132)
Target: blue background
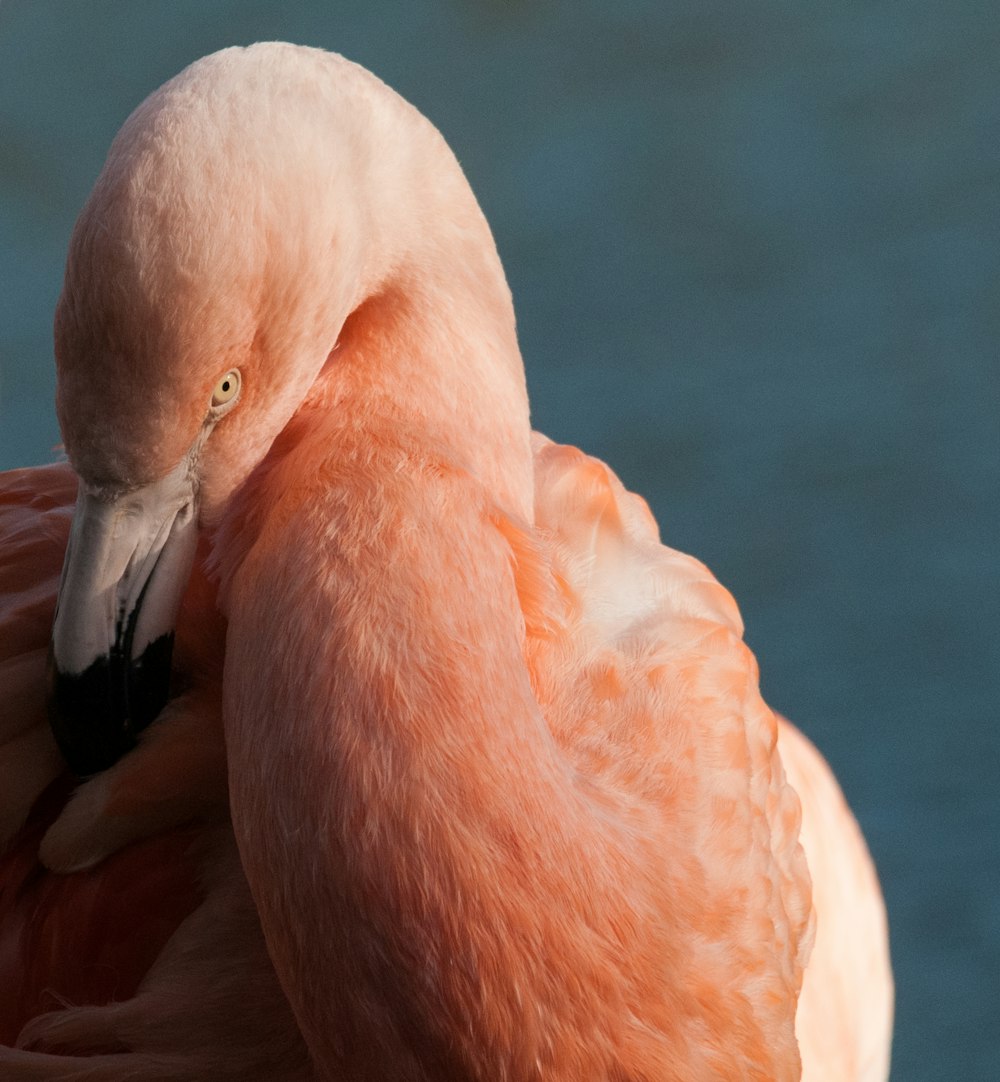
(754,252)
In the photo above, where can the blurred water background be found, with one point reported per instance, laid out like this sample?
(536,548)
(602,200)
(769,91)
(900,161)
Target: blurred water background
(754,252)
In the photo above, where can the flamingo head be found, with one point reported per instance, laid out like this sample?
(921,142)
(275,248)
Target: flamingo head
(208,277)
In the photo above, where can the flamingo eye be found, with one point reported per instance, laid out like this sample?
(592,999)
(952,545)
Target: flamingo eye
(227,389)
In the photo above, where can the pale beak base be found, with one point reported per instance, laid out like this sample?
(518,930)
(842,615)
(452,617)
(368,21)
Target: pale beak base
(126,567)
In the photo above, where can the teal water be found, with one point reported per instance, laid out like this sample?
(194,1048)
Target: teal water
(755,252)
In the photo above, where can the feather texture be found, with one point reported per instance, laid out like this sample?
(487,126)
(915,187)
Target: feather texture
(466,775)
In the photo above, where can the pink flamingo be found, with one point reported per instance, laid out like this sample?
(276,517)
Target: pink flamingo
(466,775)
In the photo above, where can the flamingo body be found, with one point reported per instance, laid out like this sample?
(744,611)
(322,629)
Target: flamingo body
(476,773)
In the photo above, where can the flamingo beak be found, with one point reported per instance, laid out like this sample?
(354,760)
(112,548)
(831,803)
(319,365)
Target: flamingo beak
(127,564)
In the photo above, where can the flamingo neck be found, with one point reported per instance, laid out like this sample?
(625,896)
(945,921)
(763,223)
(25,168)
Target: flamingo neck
(405,821)
(389,764)
(432,342)
(436,356)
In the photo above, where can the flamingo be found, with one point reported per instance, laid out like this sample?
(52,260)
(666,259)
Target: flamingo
(408,751)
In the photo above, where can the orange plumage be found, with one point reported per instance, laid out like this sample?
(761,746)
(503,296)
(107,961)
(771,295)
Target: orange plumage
(506,800)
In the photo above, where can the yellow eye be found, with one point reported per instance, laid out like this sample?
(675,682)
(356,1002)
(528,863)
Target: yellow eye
(227,388)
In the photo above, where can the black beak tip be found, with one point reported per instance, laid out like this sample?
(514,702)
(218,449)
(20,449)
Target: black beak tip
(96,716)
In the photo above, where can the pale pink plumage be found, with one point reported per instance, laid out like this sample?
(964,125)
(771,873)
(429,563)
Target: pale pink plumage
(502,785)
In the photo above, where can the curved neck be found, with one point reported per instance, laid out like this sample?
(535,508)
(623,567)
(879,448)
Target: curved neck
(433,329)
(428,344)
(444,892)
(405,820)
(437,355)
(430,340)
